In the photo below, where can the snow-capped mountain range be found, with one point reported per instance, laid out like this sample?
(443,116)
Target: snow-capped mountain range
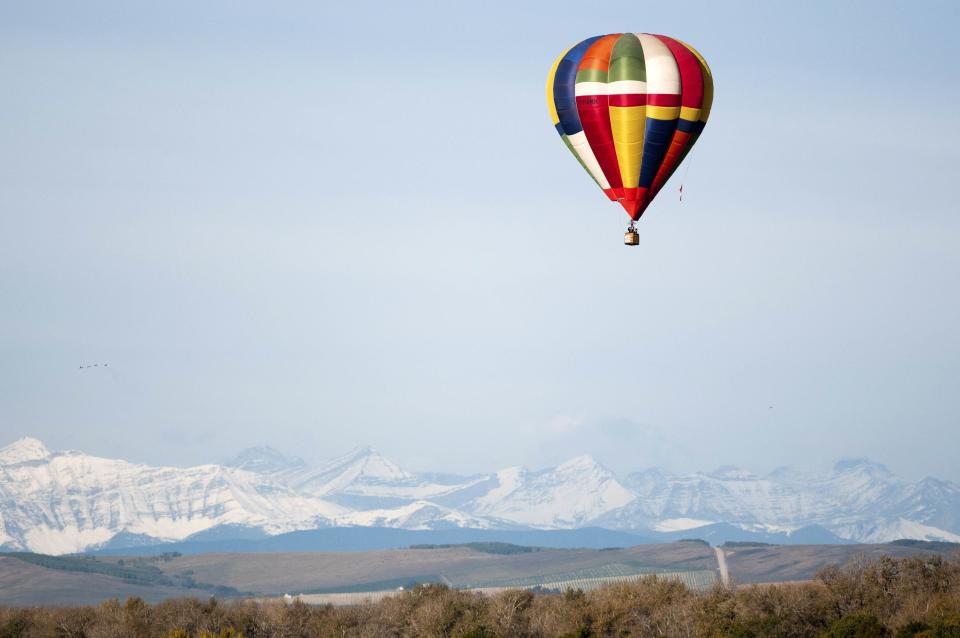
(62,502)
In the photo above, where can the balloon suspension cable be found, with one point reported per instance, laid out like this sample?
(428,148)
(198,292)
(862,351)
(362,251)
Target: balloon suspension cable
(686,171)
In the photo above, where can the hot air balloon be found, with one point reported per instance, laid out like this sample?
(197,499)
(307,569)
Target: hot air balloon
(630,106)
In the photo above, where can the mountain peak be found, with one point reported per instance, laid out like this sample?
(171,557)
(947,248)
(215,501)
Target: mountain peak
(363,465)
(21,450)
(361,451)
(363,456)
(650,474)
(731,472)
(860,500)
(584,461)
(852,464)
(264,459)
(375,465)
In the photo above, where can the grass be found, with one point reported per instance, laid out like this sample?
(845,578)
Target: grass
(504,549)
(139,571)
(407,582)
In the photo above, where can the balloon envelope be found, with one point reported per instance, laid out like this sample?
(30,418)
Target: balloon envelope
(630,106)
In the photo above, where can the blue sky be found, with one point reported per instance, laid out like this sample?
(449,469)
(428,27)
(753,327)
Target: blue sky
(325,226)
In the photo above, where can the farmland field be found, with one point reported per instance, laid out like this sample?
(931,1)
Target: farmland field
(39,580)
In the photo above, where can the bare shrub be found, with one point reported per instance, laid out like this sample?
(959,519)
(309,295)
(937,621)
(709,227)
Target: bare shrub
(907,597)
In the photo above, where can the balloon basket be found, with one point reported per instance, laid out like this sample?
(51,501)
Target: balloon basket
(631,237)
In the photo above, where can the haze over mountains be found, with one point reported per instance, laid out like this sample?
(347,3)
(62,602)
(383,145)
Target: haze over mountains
(61,502)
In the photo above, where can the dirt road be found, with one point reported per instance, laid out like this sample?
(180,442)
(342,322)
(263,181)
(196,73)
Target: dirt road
(722,563)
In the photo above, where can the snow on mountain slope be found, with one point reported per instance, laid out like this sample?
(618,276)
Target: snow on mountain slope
(25,449)
(680,524)
(884,531)
(354,472)
(66,502)
(724,495)
(416,515)
(265,460)
(857,500)
(857,486)
(581,492)
(507,482)
(569,495)
(932,502)
(366,480)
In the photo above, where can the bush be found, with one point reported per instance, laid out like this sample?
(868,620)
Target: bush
(946,627)
(920,597)
(857,626)
(16,627)
(911,629)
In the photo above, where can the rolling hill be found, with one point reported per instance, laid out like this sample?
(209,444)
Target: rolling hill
(27,579)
